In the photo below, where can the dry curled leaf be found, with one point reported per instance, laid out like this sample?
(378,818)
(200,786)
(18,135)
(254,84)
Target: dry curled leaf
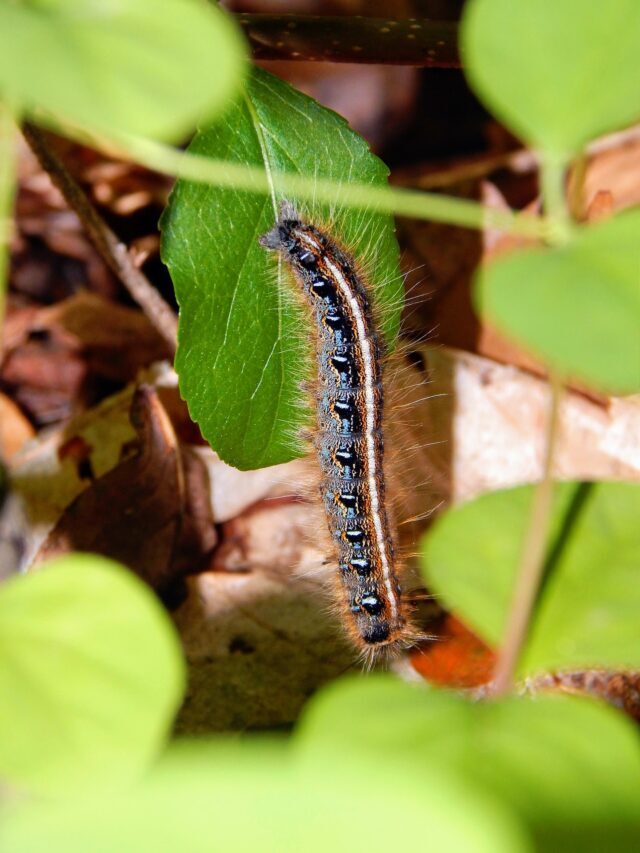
(136,512)
(59,359)
(15,429)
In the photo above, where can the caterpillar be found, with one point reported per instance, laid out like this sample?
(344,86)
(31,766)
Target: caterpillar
(349,441)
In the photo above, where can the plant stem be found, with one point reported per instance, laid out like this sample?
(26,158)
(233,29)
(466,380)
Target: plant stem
(530,571)
(8,157)
(238,176)
(531,566)
(553,172)
(421,42)
(112,250)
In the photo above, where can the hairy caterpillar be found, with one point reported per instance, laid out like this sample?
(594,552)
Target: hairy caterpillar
(349,405)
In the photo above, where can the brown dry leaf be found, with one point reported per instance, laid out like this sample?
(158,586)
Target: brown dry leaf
(52,256)
(135,513)
(613,168)
(492,416)
(61,462)
(55,358)
(15,429)
(117,341)
(457,659)
(439,260)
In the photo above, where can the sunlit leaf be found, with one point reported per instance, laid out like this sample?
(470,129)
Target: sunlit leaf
(245,797)
(587,615)
(91,675)
(577,307)
(558,72)
(569,767)
(245,344)
(119,66)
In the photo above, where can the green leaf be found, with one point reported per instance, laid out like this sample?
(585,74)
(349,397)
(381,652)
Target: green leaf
(569,767)
(245,797)
(91,674)
(119,66)
(558,72)
(245,344)
(588,611)
(577,307)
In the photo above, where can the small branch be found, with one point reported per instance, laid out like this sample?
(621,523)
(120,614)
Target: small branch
(414,41)
(532,561)
(7,194)
(112,250)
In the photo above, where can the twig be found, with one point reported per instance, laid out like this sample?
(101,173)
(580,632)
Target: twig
(112,250)
(533,557)
(414,41)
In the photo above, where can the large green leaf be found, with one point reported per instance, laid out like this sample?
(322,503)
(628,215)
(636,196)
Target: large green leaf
(91,675)
(245,344)
(119,66)
(569,767)
(245,798)
(558,72)
(578,307)
(588,610)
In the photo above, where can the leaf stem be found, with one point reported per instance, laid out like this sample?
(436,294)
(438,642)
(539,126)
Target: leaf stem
(553,172)
(8,157)
(405,202)
(532,560)
(552,178)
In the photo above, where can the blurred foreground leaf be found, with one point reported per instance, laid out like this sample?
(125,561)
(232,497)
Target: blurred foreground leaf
(245,343)
(558,72)
(569,767)
(119,66)
(588,610)
(91,675)
(577,307)
(248,797)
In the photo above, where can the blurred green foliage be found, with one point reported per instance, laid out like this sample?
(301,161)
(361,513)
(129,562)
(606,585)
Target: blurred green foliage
(587,613)
(576,306)
(90,673)
(118,67)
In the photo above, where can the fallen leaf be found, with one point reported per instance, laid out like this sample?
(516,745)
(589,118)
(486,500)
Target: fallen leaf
(135,513)
(15,429)
(455,658)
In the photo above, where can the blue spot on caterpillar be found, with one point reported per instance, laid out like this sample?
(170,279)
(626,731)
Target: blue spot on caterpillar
(349,440)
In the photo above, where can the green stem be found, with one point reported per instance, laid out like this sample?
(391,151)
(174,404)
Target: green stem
(531,567)
(530,572)
(7,192)
(553,171)
(405,202)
